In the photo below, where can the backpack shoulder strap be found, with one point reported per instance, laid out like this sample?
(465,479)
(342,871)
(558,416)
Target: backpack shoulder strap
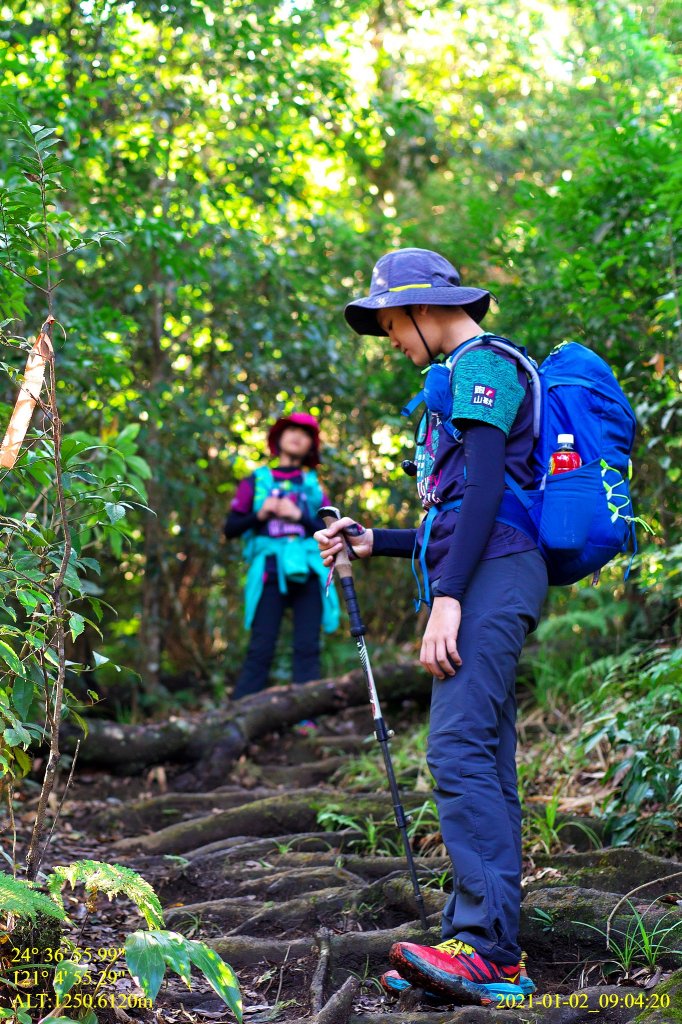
(504,345)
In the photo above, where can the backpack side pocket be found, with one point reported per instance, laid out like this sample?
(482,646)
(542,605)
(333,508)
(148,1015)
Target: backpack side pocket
(586,521)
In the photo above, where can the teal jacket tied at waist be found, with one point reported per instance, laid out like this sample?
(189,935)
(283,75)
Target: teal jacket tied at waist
(296,558)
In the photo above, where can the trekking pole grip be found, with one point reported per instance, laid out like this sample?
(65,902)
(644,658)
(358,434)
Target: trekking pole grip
(329,514)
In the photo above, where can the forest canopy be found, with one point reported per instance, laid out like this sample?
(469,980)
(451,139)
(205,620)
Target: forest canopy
(227,175)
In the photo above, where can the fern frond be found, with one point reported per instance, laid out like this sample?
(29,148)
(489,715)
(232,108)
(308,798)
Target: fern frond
(113,880)
(576,620)
(18,896)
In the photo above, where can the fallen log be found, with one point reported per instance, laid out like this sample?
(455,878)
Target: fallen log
(214,741)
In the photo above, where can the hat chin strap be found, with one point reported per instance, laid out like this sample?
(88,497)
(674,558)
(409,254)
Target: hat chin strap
(416,326)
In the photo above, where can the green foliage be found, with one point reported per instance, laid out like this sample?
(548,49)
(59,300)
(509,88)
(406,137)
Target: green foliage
(22,899)
(64,493)
(376,838)
(380,838)
(112,880)
(255,159)
(53,1020)
(254,193)
(545,918)
(577,628)
(148,953)
(635,711)
(98,481)
(366,771)
(67,974)
(19,1016)
(542,831)
(639,945)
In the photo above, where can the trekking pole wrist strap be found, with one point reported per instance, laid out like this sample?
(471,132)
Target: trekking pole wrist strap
(330,515)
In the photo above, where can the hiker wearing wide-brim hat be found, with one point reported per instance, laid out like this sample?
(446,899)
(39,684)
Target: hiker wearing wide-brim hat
(411,277)
(275,511)
(484,582)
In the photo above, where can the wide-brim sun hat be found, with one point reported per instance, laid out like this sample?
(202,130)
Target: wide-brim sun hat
(407,277)
(297,419)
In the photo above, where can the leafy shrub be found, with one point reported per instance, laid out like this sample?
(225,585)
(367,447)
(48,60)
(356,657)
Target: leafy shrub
(635,713)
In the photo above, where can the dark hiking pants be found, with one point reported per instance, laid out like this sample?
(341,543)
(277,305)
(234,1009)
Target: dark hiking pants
(305,600)
(472,755)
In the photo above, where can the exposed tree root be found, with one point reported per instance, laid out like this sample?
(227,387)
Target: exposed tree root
(320,976)
(366,953)
(160,811)
(297,776)
(243,950)
(338,1009)
(590,1008)
(258,850)
(273,816)
(266,875)
(229,913)
(240,848)
(249,917)
(283,885)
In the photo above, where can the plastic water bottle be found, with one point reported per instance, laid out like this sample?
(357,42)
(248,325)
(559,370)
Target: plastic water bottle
(565,458)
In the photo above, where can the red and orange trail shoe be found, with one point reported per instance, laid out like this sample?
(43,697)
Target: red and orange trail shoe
(455,971)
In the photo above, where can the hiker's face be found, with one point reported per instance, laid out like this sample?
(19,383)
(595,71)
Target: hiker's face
(296,442)
(403,334)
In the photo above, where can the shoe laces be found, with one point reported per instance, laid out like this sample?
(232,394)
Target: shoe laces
(455,946)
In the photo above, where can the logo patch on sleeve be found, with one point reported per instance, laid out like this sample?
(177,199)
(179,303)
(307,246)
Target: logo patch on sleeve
(483,395)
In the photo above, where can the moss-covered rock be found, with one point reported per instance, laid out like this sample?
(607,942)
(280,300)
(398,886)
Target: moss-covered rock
(616,869)
(572,920)
(671,1013)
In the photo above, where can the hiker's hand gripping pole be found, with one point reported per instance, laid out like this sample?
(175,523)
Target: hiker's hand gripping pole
(357,630)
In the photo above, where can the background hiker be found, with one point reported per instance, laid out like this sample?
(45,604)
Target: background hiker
(274,510)
(485,583)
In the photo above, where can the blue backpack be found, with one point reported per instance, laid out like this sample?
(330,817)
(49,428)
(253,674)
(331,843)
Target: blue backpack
(580,519)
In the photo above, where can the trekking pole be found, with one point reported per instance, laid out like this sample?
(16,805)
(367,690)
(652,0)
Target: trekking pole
(357,630)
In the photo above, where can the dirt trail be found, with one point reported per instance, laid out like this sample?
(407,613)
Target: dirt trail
(306,916)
